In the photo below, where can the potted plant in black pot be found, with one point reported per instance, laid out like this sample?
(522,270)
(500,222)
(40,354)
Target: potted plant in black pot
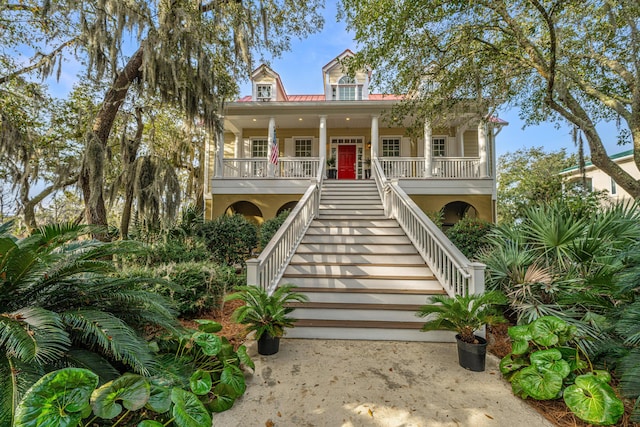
(465,315)
(332,172)
(265,314)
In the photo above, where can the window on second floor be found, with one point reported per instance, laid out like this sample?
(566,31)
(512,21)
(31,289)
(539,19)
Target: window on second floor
(303,147)
(390,147)
(263,92)
(438,146)
(347,89)
(614,187)
(259,147)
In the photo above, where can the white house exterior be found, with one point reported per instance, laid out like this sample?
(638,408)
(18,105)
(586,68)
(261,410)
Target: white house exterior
(449,168)
(598,180)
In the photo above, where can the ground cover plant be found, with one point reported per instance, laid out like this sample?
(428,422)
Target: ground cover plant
(578,265)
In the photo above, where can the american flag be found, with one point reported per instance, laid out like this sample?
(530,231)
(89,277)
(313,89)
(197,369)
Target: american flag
(274,150)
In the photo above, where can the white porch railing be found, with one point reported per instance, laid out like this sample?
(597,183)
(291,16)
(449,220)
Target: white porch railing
(441,167)
(456,167)
(456,273)
(287,167)
(266,270)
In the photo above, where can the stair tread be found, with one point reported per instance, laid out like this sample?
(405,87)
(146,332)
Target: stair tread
(359,264)
(352,306)
(305,289)
(357,276)
(379,324)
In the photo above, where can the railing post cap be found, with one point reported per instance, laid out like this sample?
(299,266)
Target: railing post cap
(252,261)
(477,265)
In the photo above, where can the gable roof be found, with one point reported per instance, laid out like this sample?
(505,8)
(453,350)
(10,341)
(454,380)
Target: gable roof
(266,70)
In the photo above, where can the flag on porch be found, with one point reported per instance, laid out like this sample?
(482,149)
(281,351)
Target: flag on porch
(274,150)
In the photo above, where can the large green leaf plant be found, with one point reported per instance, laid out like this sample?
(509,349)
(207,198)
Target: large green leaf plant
(198,373)
(63,304)
(544,365)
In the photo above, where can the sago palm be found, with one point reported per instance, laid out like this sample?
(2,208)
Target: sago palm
(463,313)
(63,304)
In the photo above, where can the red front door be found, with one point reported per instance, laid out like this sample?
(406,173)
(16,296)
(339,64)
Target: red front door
(347,162)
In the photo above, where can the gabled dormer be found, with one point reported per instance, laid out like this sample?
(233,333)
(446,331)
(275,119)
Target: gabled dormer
(267,86)
(340,86)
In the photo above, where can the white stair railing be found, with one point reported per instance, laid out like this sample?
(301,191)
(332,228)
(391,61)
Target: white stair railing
(266,270)
(456,273)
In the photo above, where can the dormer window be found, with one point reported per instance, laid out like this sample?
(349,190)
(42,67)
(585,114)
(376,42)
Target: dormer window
(347,89)
(263,92)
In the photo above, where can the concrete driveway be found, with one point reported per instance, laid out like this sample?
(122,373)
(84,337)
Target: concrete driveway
(374,383)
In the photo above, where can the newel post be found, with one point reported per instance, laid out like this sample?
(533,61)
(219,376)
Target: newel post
(252,272)
(476,281)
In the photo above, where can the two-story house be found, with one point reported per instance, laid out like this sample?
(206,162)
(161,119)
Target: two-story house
(449,168)
(358,241)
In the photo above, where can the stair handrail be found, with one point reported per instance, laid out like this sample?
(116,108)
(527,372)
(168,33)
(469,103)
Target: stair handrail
(457,274)
(267,270)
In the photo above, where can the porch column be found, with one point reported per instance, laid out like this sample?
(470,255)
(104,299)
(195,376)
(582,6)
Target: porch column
(482,149)
(219,153)
(271,168)
(374,137)
(323,143)
(238,145)
(460,140)
(428,157)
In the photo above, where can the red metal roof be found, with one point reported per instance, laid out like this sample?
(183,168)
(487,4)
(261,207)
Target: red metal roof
(320,98)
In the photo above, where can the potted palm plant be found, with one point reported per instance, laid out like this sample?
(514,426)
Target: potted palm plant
(465,315)
(265,314)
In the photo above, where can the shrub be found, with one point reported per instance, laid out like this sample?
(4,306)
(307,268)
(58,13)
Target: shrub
(468,235)
(199,286)
(270,227)
(230,238)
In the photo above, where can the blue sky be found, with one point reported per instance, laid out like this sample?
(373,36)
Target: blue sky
(301,73)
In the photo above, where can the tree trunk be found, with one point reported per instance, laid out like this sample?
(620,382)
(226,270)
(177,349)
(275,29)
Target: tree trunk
(92,175)
(129,150)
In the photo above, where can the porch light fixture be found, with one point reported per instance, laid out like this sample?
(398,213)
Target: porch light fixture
(300,119)
(348,118)
(255,120)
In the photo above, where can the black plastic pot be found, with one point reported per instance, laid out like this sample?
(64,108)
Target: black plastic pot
(472,356)
(268,345)
(332,173)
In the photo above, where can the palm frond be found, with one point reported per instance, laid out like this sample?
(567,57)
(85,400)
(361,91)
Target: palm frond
(33,334)
(81,358)
(629,372)
(101,331)
(15,380)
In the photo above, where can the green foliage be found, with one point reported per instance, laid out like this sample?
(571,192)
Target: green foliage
(269,228)
(64,305)
(529,177)
(264,313)
(194,288)
(230,238)
(200,374)
(478,55)
(463,314)
(436,216)
(562,262)
(60,398)
(544,365)
(468,235)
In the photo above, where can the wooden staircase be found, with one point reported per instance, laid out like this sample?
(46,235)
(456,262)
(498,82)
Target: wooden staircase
(363,276)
